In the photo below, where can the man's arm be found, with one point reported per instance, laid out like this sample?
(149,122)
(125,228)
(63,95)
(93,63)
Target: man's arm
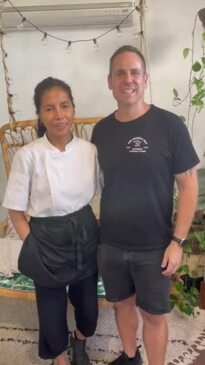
(187,184)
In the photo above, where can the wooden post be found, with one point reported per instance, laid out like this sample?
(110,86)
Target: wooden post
(202,295)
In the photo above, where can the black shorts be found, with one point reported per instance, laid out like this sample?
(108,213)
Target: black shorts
(126,273)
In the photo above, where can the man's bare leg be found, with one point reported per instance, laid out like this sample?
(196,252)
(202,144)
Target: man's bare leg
(155,337)
(127,322)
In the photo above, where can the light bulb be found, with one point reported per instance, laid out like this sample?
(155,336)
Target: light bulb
(15,96)
(21,25)
(119,32)
(95,44)
(44,39)
(135,35)
(69,47)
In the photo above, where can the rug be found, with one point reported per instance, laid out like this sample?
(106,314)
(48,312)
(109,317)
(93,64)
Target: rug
(18,342)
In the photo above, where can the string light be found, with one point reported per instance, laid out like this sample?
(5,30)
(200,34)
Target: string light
(137,35)
(21,25)
(95,44)
(119,32)
(14,96)
(68,49)
(69,44)
(44,39)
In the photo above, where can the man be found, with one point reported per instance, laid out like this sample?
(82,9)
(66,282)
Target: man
(142,150)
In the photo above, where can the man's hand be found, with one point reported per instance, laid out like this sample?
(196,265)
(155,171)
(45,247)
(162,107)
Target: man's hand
(172,259)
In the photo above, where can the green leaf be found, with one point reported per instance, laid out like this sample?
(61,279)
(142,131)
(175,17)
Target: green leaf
(172,305)
(175,92)
(202,245)
(183,269)
(186,52)
(196,66)
(194,291)
(203,60)
(200,236)
(187,248)
(198,83)
(185,308)
(173,298)
(179,286)
(182,118)
(203,36)
(191,235)
(197,103)
(199,95)
(188,309)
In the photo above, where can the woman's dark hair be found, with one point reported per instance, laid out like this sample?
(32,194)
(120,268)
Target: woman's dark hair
(44,85)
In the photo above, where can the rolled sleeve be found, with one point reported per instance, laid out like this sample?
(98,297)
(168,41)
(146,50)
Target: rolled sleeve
(18,187)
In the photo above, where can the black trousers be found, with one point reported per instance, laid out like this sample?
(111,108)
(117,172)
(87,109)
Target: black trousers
(52,312)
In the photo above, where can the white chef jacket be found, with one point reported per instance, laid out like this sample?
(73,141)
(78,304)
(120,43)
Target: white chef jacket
(46,182)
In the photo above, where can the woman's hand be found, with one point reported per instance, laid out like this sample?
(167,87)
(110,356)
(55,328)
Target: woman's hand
(20,223)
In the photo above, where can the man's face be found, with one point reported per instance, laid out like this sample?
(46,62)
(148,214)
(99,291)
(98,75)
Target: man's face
(128,79)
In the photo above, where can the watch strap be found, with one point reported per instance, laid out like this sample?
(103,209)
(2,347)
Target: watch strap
(180,241)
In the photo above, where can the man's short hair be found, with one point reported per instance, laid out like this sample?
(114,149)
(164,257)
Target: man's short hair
(127,48)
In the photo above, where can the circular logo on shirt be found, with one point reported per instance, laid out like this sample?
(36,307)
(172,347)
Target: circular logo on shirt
(137,145)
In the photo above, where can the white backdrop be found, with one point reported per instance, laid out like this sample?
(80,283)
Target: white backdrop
(169,27)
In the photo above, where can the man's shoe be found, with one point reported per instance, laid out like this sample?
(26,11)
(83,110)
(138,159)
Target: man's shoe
(78,354)
(123,359)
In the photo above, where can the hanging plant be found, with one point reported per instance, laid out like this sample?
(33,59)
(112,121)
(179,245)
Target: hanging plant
(195,96)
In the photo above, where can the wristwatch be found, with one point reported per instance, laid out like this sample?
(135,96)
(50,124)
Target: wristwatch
(180,241)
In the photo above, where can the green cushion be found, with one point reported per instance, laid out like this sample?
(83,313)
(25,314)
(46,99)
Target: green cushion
(21,282)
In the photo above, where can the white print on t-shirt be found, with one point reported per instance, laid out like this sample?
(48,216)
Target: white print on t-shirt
(137,145)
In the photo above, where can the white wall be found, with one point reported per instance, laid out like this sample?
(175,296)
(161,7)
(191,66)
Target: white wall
(169,27)
(85,69)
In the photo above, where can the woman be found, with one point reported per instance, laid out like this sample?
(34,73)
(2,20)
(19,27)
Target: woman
(53,179)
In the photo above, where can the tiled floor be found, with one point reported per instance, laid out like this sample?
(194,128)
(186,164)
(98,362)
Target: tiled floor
(201,359)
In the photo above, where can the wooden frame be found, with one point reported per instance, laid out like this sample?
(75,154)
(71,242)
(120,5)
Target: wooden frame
(19,294)
(10,137)
(22,132)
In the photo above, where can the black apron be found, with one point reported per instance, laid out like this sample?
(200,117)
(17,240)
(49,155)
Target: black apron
(60,250)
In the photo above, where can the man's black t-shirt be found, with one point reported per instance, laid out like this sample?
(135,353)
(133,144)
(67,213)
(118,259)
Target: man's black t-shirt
(139,160)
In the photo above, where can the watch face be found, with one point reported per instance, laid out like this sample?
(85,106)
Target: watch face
(183,242)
